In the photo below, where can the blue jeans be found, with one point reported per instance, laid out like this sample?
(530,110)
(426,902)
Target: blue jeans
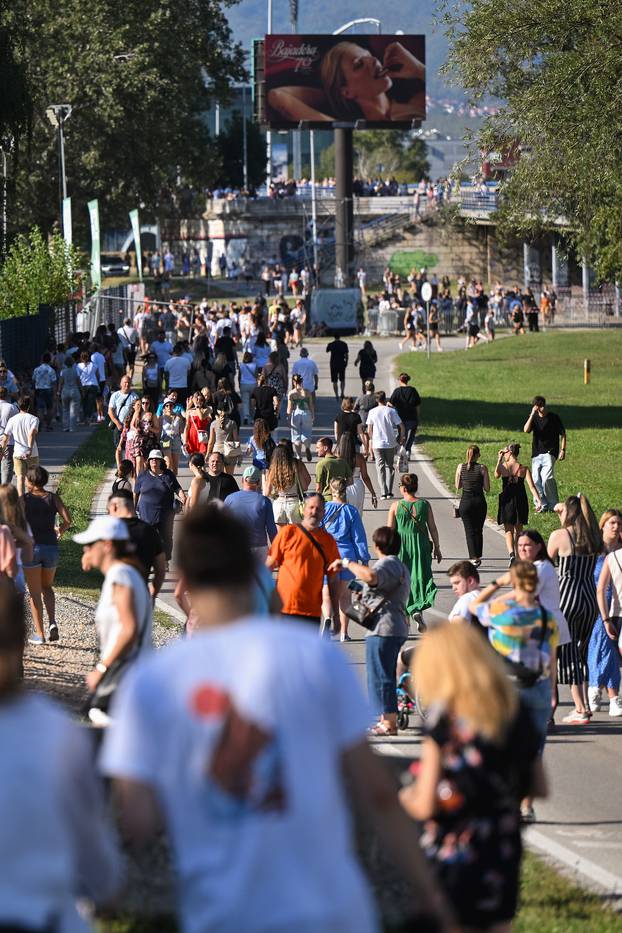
(542,468)
(44,555)
(537,699)
(381,654)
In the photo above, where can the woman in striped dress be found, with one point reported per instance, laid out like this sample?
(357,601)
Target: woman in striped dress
(576,546)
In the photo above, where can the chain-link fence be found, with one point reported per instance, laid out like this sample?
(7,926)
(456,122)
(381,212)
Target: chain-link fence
(111,306)
(599,308)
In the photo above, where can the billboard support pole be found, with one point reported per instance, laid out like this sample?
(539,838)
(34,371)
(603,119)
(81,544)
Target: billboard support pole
(344,208)
(316,271)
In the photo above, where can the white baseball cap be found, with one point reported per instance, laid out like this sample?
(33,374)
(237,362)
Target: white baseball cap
(103,528)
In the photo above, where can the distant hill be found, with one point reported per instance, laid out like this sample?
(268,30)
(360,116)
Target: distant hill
(249,19)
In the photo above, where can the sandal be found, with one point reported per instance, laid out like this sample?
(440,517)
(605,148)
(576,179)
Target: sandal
(381,729)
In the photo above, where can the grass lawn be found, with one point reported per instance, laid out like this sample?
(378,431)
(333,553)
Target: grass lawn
(483,397)
(549,903)
(78,485)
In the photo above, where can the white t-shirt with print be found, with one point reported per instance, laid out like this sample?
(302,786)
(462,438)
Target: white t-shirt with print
(273,851)
(177,368)
(19,427)
(43,377)
(107,616)
(385,422)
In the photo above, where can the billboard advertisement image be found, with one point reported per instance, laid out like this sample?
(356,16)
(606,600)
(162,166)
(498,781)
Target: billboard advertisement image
(322,80)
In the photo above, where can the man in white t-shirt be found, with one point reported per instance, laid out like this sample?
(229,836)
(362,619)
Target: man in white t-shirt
(464,580)
(22,428)
(307,368)
(98,358)
(385,430)
(176,371)
(7,410)
(254,798)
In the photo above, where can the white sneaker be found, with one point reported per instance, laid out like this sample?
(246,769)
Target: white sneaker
(615,706)
(595,698)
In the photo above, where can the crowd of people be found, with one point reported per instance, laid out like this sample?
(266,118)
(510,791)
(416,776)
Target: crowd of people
(250,733)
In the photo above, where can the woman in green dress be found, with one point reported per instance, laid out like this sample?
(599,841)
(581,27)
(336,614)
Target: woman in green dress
(414,520)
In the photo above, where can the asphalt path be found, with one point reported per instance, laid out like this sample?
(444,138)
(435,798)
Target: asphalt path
(579,824)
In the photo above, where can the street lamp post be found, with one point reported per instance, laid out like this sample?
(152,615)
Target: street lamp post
(58,114)
(6,146)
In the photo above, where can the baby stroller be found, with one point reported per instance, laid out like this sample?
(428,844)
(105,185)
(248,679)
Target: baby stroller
(405,702)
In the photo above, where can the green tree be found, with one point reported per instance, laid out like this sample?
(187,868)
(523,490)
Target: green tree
(231,151)
(556,69)
(395,150)
(140,75)
(37,271)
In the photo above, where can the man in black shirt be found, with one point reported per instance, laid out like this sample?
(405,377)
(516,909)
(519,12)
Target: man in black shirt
(145,538)
(219,484)
(338,350)
(406,401)
(548,431)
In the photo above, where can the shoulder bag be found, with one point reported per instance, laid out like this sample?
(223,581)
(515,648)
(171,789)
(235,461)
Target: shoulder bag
(316,544)
(105,690)
(616,621)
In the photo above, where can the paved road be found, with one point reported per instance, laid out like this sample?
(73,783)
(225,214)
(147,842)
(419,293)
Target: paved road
(580,822)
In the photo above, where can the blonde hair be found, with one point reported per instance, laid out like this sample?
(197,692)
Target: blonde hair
(471,455)
(524,576)
(338,487)
(334,81)
(457,669)
(12,508)
(607,514)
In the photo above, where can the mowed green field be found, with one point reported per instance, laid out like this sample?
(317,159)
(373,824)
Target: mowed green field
(483,396)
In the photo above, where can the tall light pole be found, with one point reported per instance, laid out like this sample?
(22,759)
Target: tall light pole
(269,132)
(58,114)
(6,146)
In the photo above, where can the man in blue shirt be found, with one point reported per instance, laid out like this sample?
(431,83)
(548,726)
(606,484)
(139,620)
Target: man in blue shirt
(254,511)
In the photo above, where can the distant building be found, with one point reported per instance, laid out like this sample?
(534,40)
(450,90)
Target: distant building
(445,153)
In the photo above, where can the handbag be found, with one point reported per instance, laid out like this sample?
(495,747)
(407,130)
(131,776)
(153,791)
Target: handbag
(232,450)
(301,495)
(203,437)
(365,608)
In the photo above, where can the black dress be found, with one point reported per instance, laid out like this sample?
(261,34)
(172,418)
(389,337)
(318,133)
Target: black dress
(474,839)
(513,504)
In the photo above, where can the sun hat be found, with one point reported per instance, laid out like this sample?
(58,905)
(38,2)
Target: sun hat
(155,455)
(103,528)
(251,474)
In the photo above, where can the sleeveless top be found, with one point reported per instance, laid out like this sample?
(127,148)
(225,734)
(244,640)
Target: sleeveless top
(41,516)
(472,480)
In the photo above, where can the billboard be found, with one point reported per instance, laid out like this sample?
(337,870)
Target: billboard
(375,81)
(338,309)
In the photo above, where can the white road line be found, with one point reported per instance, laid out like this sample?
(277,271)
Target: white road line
(611,883)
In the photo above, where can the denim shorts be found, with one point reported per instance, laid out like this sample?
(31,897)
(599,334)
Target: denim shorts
(44,555)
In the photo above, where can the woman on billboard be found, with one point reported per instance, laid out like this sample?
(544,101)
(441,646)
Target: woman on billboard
(356,85)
